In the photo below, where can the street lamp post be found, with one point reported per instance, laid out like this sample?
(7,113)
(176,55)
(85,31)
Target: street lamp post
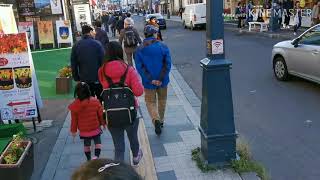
(217,129)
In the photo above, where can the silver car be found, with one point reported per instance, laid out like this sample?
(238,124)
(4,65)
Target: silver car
(299,57)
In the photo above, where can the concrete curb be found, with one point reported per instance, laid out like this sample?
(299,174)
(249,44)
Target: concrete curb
(146,169)
(54,159)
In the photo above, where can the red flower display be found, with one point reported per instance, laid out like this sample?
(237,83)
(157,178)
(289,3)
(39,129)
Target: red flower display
(13,43)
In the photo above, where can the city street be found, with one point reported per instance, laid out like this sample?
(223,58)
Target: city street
(278,119)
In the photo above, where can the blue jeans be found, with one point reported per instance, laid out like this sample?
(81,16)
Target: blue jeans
(119,143)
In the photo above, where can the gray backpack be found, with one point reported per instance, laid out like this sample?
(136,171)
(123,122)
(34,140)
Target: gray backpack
(130,39)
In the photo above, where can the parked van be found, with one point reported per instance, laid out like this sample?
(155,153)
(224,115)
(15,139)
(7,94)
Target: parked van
(194,15)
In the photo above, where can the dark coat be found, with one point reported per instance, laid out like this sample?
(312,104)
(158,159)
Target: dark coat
(102,36)
(86,58)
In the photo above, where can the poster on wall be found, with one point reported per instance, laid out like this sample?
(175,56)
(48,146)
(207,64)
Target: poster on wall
(17,92)
(28,28)
(32,18)
(82,15)
(26,7)
(43,7)
(7,21)
(45,32)
(64,32)
(56,7)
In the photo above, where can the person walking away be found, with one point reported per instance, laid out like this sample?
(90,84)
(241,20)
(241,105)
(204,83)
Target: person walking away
(249,12)
(101,35)
(86,116)
(279,10)
(116,73)
(130,38)
(120,24)
(153,22)
(112,22)
(297,18)
(316,13)
(239,14)
(86,58)
(153,62)
(180,12)
(287,5)
(105,19)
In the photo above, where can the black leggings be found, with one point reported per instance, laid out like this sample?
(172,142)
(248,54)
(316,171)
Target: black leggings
(96,140)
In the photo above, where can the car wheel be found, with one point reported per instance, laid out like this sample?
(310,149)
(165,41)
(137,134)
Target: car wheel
(191,26)
(280,69)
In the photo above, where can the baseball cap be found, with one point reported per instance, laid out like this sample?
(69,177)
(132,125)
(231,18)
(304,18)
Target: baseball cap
(149,30)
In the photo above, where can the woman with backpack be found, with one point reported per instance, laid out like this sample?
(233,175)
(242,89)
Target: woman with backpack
(121,82)
(130,38)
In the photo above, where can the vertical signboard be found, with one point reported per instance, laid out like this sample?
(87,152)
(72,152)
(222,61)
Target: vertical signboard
(17,92)
(56,7)
(28,28)
(64,32)
(45,31)
(26,7)
(7,21)
(82,15)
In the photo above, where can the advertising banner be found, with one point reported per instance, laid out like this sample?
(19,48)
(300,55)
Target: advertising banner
(7,21)
(17,92)
(45,31)
(64,32)
(56,7)
(28,28)
(82,15)
(26,7)
(43,7)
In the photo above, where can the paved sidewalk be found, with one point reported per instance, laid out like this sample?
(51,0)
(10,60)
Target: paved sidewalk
(67,155)
(172,150)
(173,18)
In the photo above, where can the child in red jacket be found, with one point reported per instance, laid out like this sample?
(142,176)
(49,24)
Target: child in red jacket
(87,116)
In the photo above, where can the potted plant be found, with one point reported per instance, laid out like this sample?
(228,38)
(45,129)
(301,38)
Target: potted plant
(64,80)
(16,161)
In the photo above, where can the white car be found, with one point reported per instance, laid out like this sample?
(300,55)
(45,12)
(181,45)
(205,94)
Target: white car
(194,15)
(298,57)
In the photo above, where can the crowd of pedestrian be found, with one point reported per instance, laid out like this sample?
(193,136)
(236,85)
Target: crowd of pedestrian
(108,86)
(283,11)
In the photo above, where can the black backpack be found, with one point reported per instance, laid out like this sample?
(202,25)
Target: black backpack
(130,39)
(119,103)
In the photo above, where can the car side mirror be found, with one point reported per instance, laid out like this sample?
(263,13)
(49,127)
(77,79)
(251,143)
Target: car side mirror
(295,42)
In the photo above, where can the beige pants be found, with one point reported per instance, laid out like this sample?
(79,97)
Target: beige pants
(156,100)
(129,53)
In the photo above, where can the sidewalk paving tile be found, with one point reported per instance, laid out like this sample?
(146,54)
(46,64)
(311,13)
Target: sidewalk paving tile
(167,175)
(172,149)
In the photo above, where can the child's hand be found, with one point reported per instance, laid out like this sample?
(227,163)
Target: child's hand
(73,135)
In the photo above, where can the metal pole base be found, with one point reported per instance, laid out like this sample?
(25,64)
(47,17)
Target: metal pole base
(217,128)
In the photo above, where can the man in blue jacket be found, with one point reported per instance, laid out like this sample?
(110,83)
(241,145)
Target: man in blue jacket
(153,62)
(86,58)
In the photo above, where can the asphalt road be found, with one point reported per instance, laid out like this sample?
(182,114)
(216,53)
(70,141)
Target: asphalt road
(280,120)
